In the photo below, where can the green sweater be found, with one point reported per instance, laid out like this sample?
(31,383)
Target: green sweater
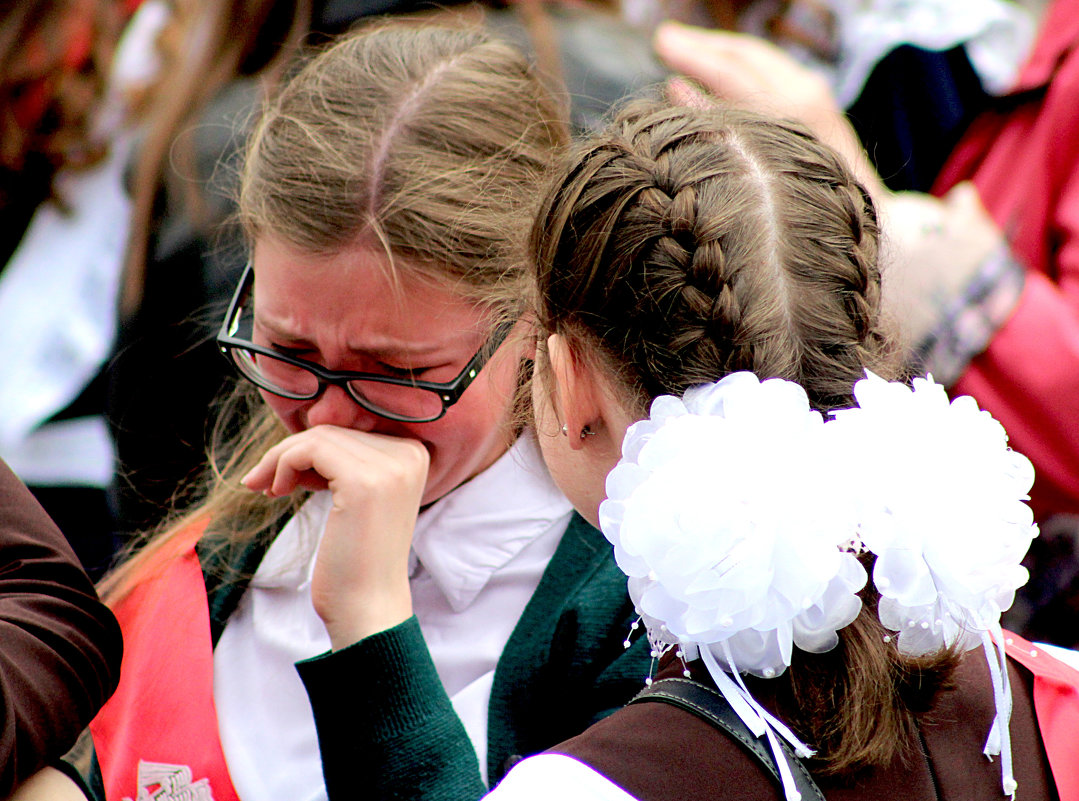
(386,727)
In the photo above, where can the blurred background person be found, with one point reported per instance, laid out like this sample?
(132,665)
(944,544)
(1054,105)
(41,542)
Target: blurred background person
(911,74)
(1022,155)
(67,75)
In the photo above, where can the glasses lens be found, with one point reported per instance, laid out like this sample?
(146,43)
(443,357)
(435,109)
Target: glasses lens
(275,375)
(407,402)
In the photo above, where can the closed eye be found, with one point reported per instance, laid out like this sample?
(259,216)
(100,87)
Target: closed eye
(406,372)
(377,367)
(293,353)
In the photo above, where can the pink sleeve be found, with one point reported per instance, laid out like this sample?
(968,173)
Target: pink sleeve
(1028,378)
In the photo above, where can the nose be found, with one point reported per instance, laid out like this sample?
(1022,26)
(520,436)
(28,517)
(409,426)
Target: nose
(335,407)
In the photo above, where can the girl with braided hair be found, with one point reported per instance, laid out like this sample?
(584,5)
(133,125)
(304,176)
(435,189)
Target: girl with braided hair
(715,390)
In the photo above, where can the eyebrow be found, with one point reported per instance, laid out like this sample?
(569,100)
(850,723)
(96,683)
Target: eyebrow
(388,350)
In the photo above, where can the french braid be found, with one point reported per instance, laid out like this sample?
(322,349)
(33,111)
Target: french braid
(693,244)
(685,244)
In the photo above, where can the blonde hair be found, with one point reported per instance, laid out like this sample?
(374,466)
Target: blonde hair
(453,130)
(429,141)
(685,244)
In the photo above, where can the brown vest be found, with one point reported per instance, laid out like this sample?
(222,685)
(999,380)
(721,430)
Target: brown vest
(657,752)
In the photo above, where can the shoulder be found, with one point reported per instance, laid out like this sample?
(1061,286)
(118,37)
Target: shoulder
(187,563)
(227,570)
(651,749)
(582,573)
(582,605)
(548,776)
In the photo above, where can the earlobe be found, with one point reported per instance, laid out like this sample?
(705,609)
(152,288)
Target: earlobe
(585,432)
(575,383)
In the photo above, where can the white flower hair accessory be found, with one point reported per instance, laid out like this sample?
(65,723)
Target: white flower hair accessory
(749,555)
(944,511)
(943,508)
(737,512)
(721,514)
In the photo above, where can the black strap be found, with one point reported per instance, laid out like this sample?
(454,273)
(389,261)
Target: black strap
(709,705)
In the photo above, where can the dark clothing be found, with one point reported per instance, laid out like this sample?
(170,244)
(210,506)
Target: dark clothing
(564,668)
(60,646)
(915,105)
(947,764)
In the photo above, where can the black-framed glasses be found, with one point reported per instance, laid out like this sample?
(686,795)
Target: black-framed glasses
(400,398)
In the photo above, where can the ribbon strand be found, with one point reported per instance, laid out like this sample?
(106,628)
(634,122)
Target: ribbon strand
(758,719)
(999,739)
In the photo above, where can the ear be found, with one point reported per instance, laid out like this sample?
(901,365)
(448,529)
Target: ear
(584,400)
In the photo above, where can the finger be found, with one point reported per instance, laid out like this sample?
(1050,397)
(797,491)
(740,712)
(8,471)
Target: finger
(258,478)
(308,460)
(671,36)
(302,465)
(316,458)
(261,476)
(682,93)
(964,197)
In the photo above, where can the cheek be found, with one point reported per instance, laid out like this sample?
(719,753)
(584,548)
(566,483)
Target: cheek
(456,451)
(464,428)
(485,408)
(287,411)
(474,432)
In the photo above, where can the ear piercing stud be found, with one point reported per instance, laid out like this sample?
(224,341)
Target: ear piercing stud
(585,432)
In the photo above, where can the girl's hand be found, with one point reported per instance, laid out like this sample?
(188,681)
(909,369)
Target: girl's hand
(360,582)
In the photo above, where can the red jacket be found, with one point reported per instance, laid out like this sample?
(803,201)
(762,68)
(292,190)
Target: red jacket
(1024,159)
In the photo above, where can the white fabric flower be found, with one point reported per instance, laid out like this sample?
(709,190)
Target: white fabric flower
(941,504)
(724,515)
(735,510)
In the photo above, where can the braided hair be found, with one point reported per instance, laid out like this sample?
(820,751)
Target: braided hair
(683,244)
(694,243)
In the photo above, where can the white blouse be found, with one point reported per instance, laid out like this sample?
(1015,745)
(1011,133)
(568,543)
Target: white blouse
(478,555)
(552,776)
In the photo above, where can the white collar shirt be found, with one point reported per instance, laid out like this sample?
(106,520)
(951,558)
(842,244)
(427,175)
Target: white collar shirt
(478,555)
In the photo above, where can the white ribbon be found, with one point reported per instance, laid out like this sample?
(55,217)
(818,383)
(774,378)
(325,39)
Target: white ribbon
(999,739)
(758,719)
